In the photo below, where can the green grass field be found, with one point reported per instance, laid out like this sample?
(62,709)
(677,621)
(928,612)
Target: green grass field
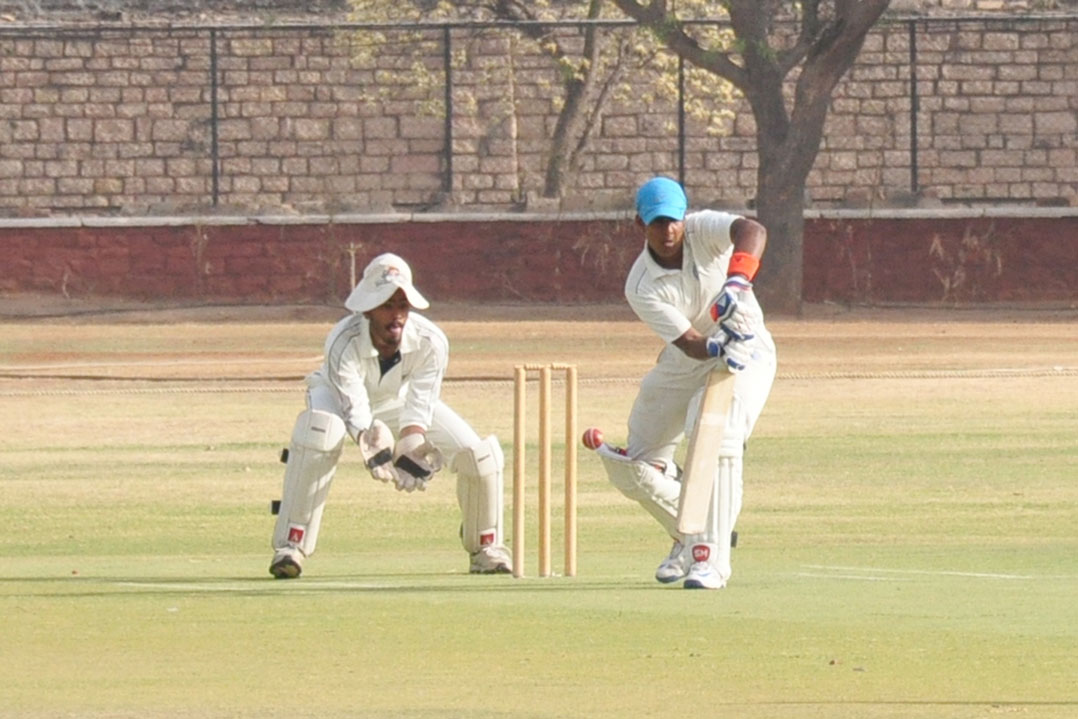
(909,543)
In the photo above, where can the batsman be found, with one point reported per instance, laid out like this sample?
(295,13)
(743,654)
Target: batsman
(379,386)
(692,285)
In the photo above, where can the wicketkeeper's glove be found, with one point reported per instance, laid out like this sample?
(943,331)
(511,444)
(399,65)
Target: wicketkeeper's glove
(415,460)
(376,446)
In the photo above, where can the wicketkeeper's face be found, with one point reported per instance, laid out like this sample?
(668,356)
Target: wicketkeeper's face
(388,320)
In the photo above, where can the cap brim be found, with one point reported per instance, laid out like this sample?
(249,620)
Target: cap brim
(364,298)
(674,212)
(415,299)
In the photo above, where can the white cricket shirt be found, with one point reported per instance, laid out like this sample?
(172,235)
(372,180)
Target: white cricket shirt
(670,301)
(352,369)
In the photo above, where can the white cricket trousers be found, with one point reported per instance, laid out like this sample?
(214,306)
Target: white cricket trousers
(665,408)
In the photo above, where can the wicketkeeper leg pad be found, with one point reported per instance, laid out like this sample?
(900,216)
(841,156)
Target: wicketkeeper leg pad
(313,453)
(655,490)
(480,487)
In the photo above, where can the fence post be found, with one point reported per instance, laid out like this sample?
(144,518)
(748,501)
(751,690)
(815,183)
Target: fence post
(214,149)
(447,59)
(914,106)
(681,119)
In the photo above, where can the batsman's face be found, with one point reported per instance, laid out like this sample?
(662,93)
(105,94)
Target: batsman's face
(387,323)
(665,237)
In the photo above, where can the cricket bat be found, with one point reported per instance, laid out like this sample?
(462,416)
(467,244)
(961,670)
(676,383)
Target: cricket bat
(701,462)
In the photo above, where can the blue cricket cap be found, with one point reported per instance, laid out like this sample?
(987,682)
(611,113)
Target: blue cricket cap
(661,197)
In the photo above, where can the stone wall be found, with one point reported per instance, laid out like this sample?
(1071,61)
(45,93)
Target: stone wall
(125,120)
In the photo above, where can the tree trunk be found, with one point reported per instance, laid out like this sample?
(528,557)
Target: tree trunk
(787,146)
(568,127)
(780,208)
(785,153)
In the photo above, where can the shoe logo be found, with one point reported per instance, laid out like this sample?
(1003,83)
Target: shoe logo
(486,539)
(295,535)
(701,553)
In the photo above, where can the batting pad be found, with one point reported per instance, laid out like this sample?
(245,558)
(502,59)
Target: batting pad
(313,453)
(644,483)
(722,515)
(480,484)
(726,495)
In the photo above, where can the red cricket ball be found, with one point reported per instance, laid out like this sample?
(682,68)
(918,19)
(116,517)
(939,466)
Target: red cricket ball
(593,437)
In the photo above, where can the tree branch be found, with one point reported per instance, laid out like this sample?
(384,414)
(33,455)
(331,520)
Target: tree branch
(671,32)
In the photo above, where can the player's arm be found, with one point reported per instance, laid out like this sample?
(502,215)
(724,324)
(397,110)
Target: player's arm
(673,326)
(667,322)
(734,309)
(424,377)
(703,347)
(693,344)
(749,239)
(345,371)
(374,438)
(415,458)
(715,233)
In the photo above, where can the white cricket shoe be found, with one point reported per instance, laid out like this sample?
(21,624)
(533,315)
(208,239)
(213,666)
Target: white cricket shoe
(493,559)
(675,566)
(703,575)
(286,564)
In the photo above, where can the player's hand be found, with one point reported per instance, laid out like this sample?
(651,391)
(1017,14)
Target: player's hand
(415,461)
(376,446)
(735,353)
(735,309)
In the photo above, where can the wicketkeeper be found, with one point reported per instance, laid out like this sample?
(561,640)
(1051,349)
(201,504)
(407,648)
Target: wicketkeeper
(382,375)
(692,285)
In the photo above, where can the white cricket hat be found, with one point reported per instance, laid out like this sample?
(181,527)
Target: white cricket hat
(385,274)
